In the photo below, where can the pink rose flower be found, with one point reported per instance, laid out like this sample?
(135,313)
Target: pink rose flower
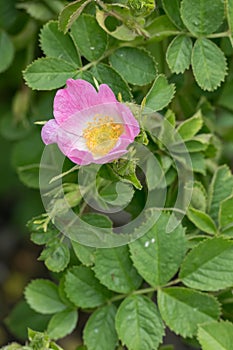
(90,126)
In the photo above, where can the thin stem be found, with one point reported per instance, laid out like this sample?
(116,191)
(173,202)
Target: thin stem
(210,36)
(176,281)
(231,39)
(76,167)
(136,292)
(82,208)
(116,298)
(189,237)
(143,291)
(109,12)
(94,63)
(227,301)
(218,35)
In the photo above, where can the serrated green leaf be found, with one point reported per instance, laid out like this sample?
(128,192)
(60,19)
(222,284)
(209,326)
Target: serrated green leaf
(37,10)
(56,5)
(167,133)
(157,255)
(195,146)
(6,51)
(62,293)
(42,295)
(97,220)
(226,215)
(183,309)
(220,188)
(115,270)
(202,17)
(70,13)
(41,238)
(202,220)
(122,32)
(160,94)
(191,146)
(172,9)
(190,127)
(160,28)
(62,324)
(83,288)
(199,196)
(135,65)
(18,325)
(198,162)
(120,193)
(56,256)
(91,46)
(48,73)
(216,335)
(209,64)
(99,332)
(107,75)
(170,117)
(170,176)
(84,253)
(56,44)
(179,53)
(208,266)
(139,324)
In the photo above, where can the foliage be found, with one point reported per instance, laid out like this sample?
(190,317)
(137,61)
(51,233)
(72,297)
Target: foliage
(176,58)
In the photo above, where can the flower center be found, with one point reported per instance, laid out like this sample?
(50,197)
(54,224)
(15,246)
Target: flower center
(102,135)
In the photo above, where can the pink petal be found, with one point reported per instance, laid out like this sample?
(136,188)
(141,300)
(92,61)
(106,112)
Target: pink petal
(49,132)
(68,142)
(132,127)
(105,94)
(85,158)
(78,95)
(110,157)
(80,157)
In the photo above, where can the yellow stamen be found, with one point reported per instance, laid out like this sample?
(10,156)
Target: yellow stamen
(102,135)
